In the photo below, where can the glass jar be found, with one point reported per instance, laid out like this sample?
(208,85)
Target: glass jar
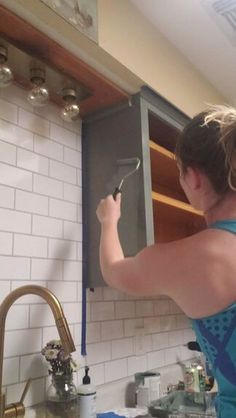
(62,398)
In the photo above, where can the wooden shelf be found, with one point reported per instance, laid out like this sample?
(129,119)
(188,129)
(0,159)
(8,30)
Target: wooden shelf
(166,200)
(164,172)
(174,219)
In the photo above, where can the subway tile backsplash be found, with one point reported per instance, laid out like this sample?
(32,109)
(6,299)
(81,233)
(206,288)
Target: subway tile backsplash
(41,243)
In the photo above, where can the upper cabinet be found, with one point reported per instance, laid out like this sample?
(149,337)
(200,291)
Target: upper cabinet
(96,91)
(154,207)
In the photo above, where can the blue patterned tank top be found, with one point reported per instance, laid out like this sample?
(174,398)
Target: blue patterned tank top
(216,335)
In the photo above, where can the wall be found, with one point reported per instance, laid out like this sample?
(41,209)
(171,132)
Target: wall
(40,243)
(131,39)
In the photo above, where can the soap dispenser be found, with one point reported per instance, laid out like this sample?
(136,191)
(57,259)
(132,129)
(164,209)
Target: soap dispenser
(87,397)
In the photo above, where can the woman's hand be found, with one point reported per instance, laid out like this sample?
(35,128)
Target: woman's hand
(108,210)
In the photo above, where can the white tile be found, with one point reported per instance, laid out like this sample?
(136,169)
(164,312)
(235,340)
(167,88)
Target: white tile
(46,269)
(4,289)
(79,251)
(22,342)
(62,135)
(15,177)
(152,325)
(97,374)
(28,298)
(73,231)
(156,359)
(101,311)
(72,193)
(72,312)
(160,340)
(8,111)
(7,153)
(30,246)
(10,370)
(33,162)
(34,395)
(172,355)
(62,172)
(6,197)
(62,210)
(16,135)
(79,177)
(137,364)
(113,294)
(76,126)
(77,336)
(72,270)
(93,332)
(183,321)
(48,227)
(11,220)
(98,352)
(14,268)
(130,326)
(62,249)
(47,186)
(95,295)
(18,317)
(16,95)
(64,291)
(72,157)
(50,333)
(144,308)
(31,202)
(162,307)
(188,335)
(48,148)
(115,370)
(124,309)
(168,323)
(112,330)
(122,348)
(6,241)
(32,366)
(79,214)
(33,123)
(50,112)
(176,338)
(41,316)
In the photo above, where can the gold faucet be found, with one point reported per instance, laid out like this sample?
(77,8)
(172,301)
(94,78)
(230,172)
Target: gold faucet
(18,409)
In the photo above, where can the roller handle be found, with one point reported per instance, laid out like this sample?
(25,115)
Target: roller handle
(115,193)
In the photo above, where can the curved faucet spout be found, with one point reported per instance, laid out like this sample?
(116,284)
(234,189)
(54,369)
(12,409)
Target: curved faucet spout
(60,320)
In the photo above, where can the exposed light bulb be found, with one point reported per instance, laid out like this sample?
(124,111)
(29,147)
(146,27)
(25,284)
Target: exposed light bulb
(38,96)
(6,75)
(70,112)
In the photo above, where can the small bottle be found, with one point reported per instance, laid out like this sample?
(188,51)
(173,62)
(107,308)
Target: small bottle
(87,397)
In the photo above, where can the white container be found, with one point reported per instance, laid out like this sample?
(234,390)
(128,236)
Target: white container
(148,388)
(87,397)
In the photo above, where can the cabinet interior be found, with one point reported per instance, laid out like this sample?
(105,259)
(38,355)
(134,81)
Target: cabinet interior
(174,217)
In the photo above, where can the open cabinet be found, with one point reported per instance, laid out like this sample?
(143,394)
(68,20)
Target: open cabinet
(154,207)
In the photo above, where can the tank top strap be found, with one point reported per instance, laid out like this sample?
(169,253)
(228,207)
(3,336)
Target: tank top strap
(227,225)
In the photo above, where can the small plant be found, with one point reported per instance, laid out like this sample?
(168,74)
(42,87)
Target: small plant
(60,364)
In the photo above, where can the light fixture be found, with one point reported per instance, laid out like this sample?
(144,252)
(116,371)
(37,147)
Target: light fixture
(39,95)
(6,75)
(70,112)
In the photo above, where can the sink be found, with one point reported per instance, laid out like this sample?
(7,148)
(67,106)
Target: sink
(182,404)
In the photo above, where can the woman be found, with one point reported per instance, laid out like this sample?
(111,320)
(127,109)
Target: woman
(198,272)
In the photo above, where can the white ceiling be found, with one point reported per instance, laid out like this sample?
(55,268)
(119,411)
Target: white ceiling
(204,37)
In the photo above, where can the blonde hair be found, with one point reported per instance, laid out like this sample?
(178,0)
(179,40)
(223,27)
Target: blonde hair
(225,117)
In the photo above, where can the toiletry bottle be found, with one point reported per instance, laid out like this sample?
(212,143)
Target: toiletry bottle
(87,397)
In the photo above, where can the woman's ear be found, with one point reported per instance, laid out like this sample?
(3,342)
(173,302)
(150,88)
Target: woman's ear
(193,178)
